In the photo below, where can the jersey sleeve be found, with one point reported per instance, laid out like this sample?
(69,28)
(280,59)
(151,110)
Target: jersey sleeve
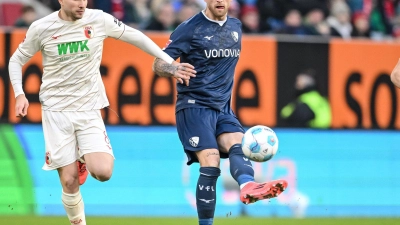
(118,30)
(113,27)
(31,44)
(179,42)
(28,47)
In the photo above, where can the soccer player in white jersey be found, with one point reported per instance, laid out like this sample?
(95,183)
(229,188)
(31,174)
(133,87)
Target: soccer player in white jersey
(72,92)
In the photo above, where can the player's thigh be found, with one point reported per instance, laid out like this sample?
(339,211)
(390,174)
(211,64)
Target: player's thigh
(227,140)
(93,141)
(196,130)
(60,140)
(99,163)
(208,157)
(91,133)
(229,132)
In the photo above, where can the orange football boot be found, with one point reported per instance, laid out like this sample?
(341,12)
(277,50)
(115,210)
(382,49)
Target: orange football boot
(253,191)
(82,171)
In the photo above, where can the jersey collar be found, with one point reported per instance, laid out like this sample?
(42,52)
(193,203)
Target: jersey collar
(221,23)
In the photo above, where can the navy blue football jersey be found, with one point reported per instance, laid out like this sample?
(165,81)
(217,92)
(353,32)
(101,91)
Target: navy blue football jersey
(213,50)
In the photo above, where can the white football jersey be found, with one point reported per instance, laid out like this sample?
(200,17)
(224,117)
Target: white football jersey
(72,53)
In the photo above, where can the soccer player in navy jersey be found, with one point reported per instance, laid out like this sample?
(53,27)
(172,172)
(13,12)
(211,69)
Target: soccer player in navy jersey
(206,124)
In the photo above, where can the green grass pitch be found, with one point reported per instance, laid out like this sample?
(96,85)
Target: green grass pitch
(32,220)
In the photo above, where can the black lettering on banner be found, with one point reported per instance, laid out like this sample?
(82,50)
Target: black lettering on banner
(124,99)
(383,80)
(33,98)
(351,102)
(6,78)
(241,102)
(160,99)
(106,111)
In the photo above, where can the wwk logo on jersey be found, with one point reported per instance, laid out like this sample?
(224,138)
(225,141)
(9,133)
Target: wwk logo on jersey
(88,31)
(73,47)
(194,141)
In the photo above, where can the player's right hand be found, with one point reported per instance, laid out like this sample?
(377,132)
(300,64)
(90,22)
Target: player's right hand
(184,72)
(21,106)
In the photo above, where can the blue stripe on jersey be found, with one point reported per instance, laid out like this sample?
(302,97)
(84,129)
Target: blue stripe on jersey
(214,52)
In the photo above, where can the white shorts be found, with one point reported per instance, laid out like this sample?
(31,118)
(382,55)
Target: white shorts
(70,135)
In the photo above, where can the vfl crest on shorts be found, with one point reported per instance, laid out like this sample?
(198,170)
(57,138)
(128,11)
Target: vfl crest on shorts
(47,158)
(88,30)
(194,141)
(235,36)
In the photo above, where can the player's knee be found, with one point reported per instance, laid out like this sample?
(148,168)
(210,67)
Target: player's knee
(102,174)
(103,177)
(209,157)
(211,162)
(70,183)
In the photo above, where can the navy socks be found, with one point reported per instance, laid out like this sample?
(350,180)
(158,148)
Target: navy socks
(240,166)
(241,170)
(206,194)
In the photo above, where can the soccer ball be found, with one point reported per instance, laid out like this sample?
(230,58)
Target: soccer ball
(260,143)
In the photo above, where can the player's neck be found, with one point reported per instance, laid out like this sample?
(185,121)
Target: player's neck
(211,16)
(64,16)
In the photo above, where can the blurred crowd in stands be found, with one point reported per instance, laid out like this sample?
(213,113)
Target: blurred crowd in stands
(376,19)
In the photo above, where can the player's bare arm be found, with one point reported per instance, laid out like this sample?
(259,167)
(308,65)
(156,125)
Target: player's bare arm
(180,71)
(395,75)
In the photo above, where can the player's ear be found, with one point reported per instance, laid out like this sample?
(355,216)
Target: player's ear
(229,3)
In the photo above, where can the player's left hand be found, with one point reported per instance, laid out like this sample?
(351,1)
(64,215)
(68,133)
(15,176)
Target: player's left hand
(184,72)
(21,105)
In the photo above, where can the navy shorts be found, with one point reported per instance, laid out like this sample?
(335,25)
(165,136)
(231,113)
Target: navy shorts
(198,129)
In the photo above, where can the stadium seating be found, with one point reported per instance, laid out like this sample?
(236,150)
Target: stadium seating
(9,13)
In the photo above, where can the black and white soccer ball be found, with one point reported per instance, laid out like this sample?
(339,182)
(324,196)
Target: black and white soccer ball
(260,143)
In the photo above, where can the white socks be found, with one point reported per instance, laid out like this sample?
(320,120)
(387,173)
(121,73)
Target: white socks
(73,205)
(244,184)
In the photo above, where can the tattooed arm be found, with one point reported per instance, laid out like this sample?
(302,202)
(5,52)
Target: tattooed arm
(180,71)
